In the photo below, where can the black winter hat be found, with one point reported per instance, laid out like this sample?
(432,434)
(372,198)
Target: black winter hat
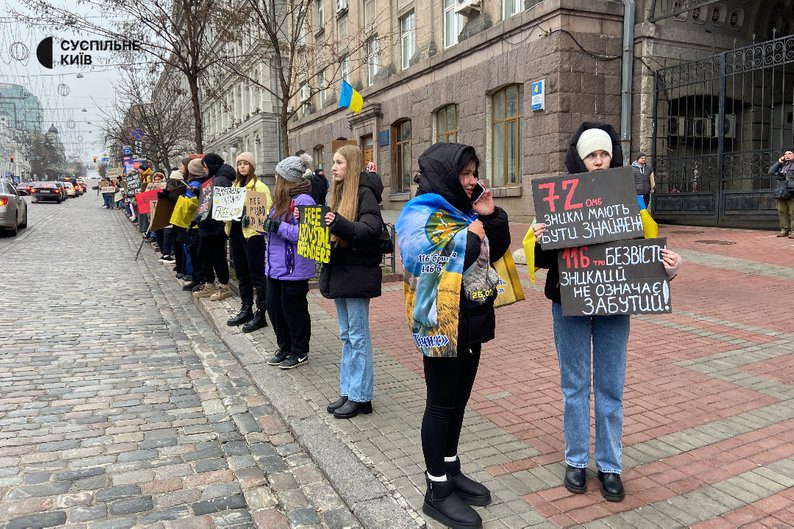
(213,162)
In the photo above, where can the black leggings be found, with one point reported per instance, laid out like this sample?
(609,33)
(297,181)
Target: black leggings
(248,258)
(212,256)
(449,382)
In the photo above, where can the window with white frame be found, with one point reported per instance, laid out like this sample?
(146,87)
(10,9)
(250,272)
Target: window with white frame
(447,124)
(346,68)
(320,15)
(305,94)
(407,39)
(341,5)
(372,60)
(453,23)
(511,7)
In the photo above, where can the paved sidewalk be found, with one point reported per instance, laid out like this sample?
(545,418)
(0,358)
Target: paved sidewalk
(709,400)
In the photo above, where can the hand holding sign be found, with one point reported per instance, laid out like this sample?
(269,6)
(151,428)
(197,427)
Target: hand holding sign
(587,208)
(228,203)
(314,237)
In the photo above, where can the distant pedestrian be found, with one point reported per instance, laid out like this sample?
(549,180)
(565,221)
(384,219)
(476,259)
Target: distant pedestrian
(248,252)
(287,272)
(353,275)
(644,181)
(783,170)
(447,244)
(591,346)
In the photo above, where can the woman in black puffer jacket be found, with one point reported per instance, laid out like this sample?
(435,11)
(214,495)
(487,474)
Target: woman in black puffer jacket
(353,275)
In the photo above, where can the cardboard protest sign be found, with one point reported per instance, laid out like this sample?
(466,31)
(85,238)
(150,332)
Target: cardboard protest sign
(118,196)
(623,277)
(228,203)
(204,201)
(155,185)
(144,199)
(314,236)
(161,214)
(256,209)
(587,208)
(132,184)
(108,189)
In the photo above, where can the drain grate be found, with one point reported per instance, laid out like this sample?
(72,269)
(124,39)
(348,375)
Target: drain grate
(716,241)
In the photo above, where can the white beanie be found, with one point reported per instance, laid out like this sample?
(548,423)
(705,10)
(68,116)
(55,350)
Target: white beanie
(593,140)
(176,175)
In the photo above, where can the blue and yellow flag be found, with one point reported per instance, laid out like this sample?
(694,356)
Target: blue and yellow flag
(350,98)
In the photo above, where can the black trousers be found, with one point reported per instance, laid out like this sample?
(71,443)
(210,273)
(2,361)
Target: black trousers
(449,382)
(288,309)
(180,237)
(248,258)
(192,245)
(212,256)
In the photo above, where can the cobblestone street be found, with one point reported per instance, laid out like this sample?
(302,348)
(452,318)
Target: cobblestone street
(119,406)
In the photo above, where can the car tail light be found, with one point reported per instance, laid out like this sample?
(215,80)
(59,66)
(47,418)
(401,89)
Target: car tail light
(3,201)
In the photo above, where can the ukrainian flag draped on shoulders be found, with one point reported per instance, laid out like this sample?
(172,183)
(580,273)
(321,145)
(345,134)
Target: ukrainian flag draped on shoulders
(432,240)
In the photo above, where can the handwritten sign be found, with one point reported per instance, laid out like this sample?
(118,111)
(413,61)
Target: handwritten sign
(587,208)
(108,189)
(624,277)
(133,184)
(205,201)
(228,203)
(143,201)
(314,236)
(256,209)
(118,196)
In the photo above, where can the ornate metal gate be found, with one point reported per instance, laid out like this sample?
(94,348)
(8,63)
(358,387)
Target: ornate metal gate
(718,125)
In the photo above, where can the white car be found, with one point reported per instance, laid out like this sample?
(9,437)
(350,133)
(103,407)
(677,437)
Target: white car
(70,192)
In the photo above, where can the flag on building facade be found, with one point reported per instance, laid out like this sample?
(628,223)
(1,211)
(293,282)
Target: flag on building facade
(350,98)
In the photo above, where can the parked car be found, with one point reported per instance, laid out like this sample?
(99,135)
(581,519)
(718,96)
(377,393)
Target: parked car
(23,188)
(70,192)
(53,191)
(13,208)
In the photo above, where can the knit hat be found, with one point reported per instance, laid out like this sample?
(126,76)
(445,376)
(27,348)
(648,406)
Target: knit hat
(195,168)
(593,140)
(291,169)
(641,155)
(246,157)
(213,162)
(176,175)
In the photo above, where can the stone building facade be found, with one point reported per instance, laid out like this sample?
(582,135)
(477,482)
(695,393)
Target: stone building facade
(437,75)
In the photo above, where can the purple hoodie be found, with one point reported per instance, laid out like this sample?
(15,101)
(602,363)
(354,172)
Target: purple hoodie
(281,259)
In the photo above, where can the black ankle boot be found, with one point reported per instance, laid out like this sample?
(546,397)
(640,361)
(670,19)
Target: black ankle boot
(335,405)
(576,479)
(257,322)
(611,486)
(243,316)
(351,408)
(443,505)
(470,491)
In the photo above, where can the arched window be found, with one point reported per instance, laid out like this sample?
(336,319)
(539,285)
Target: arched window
(447,124)
(401,156)
(506,136)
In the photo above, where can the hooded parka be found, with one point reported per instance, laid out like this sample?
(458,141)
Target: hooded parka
(222,175)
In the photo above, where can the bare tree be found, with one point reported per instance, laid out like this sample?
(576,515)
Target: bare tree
(175,33)
(300,70)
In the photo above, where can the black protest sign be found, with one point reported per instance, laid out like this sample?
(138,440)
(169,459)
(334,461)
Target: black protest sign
(133,184)
(204,201)
(314,237)
(587,208)
(623,277)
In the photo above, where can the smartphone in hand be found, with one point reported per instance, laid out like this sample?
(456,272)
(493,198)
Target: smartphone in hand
(477,193)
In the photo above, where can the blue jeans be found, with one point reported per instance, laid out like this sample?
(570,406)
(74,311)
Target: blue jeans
(609,336)
(356,376)
(108,200)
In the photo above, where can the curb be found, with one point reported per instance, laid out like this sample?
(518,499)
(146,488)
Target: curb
(363,492)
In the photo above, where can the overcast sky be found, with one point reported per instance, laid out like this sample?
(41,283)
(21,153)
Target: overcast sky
(91,92)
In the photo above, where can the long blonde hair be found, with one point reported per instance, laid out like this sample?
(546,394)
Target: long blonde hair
(344,193)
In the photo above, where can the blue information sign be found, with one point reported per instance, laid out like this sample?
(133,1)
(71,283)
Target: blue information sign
(538,95)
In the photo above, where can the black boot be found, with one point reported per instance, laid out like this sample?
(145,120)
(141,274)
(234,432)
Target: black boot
(611,486)
(243,316)
(335,405)
(190,286)
(576,479)
(257,322)
(351,408)
(443,505)
(470,491)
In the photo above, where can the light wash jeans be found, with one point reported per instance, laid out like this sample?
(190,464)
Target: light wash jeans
(609,336)
(356,376)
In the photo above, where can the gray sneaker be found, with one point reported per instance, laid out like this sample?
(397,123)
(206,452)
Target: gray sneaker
(279,357)
(294,361)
